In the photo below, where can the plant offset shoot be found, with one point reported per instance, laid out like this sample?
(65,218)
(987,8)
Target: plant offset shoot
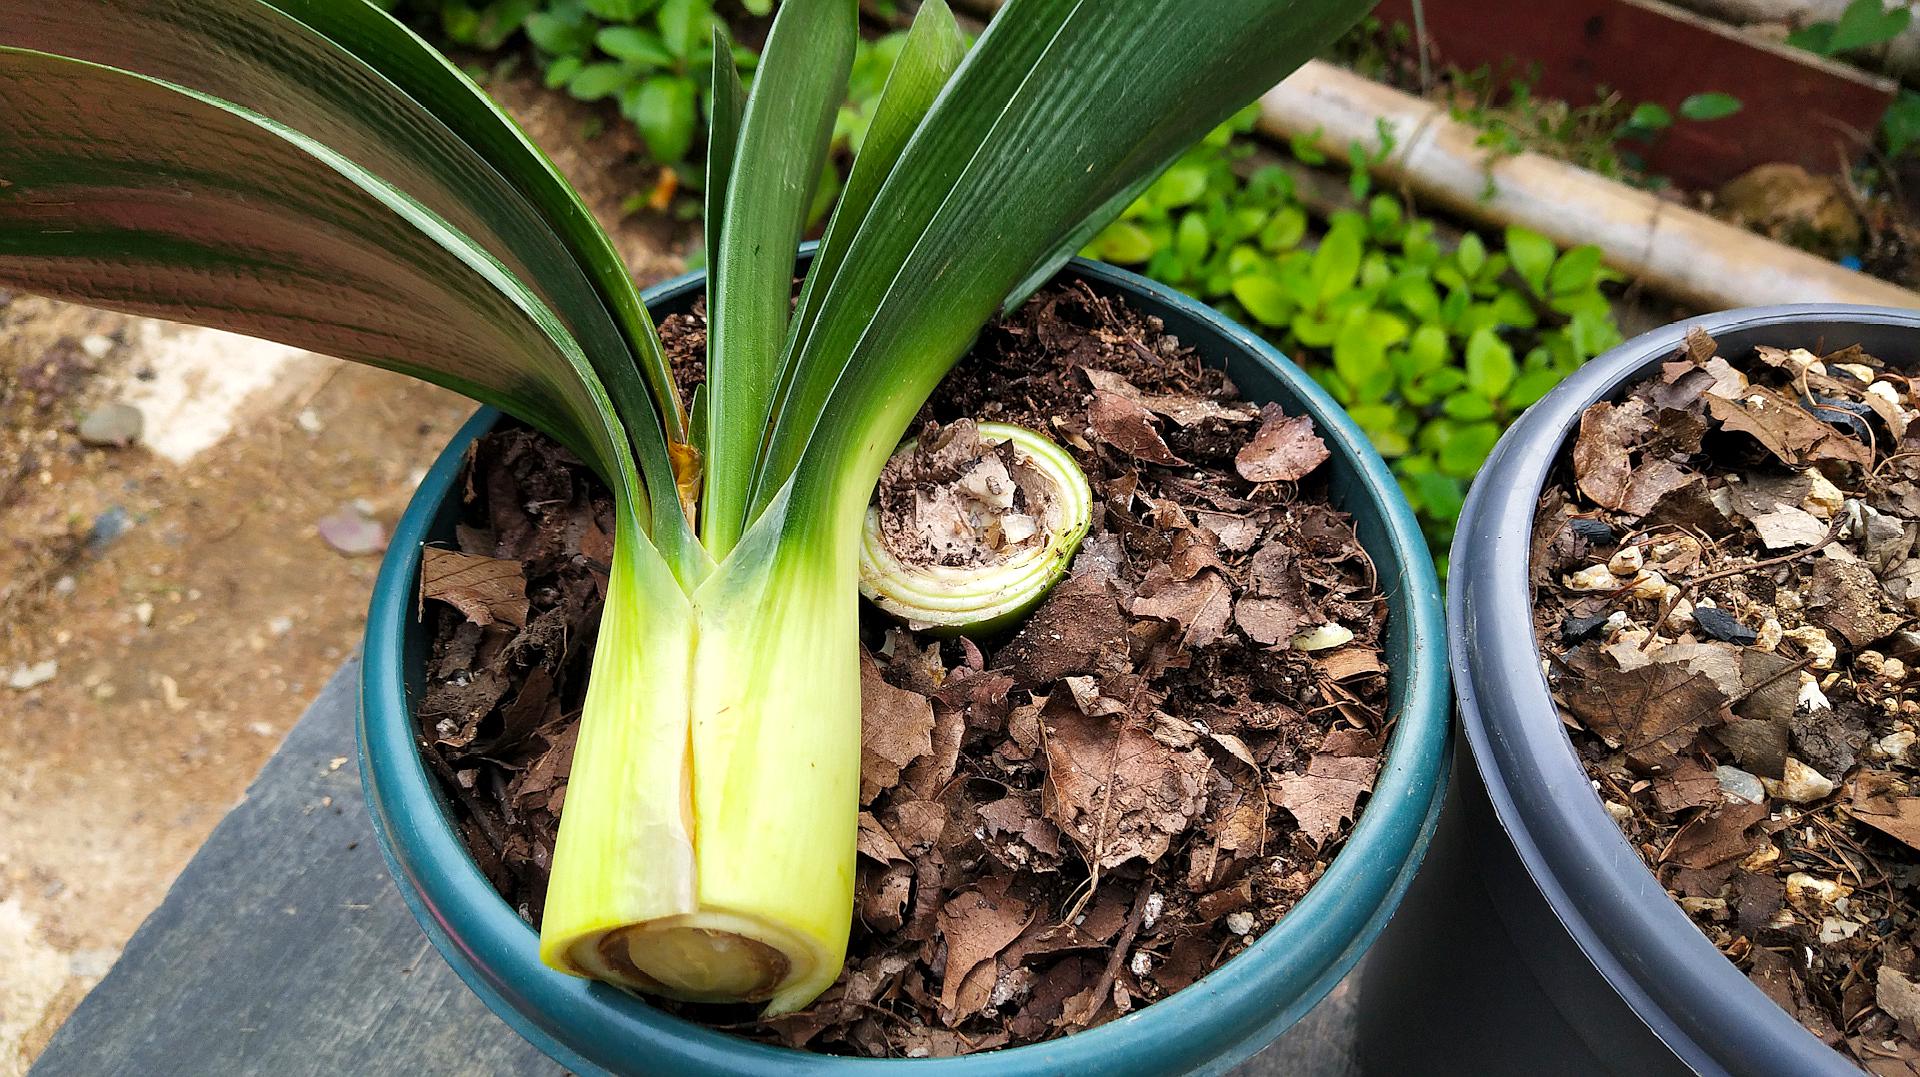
(309,172)
(971,526)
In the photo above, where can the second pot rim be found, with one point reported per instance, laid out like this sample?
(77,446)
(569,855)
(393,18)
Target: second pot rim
(1377,861)
(1638,938)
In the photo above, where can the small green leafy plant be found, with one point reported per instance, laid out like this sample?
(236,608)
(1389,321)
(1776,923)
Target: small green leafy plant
(1861,25)
(1432,349)
(312,173)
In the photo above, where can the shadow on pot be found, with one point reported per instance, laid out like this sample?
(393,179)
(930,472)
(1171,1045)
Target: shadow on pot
(1206,1028)
(1537,941)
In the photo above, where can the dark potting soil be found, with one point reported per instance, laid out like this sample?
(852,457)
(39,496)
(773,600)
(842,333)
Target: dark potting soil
(1725,587)
(1059,825)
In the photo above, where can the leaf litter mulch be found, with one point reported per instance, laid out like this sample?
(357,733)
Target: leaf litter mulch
(1725,579)
(1059,825)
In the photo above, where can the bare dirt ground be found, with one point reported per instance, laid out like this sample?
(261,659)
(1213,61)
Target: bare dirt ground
(167,608)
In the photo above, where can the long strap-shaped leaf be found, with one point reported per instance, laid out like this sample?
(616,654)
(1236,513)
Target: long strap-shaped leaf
(259,230)
(782,147)
(1110,89)
(258,57)
(429,78)
(932,49)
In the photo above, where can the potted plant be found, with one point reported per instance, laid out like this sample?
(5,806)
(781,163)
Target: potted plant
(314,174)
(1541,914)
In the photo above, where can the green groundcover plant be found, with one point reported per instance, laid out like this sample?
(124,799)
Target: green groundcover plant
(310,172)
(1433,349)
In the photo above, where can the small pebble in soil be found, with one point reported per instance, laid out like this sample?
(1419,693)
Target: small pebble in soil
(33,675)
(115,425)
(349,530)
(1800,783)
(107,527)
(1739,785)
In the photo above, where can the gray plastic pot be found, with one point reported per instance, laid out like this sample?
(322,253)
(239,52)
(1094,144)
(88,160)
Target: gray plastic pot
(1537,941)
(593,1029)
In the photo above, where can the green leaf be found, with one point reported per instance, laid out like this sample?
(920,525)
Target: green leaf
(561,71)
(1191,239)
(1532,255)
(1471,255)
(1148,77)
(634,44)
(1814,37)
(725,105)
(1490,365)
(1467,406)
(687,24)
(783,143)
(1336,262)
(1868,22)
(1576,271)
(664,109)
(1440,496)
(1465,448)
(1360,358)
(1900,127)
(1285,229)
(559,35)
(596,81)
(1710,106)
(352,78)
(1123,243)
(1648,116)
(619,10)
(1181,185)
(1264,298)
(757,7)
(251,240)
(1531,385)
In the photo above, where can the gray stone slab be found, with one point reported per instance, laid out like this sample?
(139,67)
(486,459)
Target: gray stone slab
(284,949)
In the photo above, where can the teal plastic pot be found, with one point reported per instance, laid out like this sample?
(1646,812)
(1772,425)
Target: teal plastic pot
(592,1029)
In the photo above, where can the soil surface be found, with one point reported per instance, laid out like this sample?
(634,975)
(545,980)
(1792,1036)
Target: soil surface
(1726,584)
(1060,825)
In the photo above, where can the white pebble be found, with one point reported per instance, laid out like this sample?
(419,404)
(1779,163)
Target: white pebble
(1325,636)
(1823,498)
(1240,923)
(1593,578)
(33,676)
(1811,698)
(1895,745)
(96,345)
(1627,562)
(1651,584)
(1809,893)
(1769,635)
(1142,963)
(1833,929)
(1620,812)
(1814,641)
(1800,783)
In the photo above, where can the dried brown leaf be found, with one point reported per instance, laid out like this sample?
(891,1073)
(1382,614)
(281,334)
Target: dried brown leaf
(1284,449)
(485,589)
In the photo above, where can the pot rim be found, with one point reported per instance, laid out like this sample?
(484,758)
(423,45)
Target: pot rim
(1638,938)
(1315,945)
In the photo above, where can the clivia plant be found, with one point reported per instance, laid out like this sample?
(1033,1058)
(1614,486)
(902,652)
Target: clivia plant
(310,172)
